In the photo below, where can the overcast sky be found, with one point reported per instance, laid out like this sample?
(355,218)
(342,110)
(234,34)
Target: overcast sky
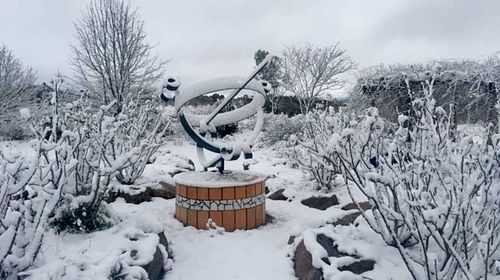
(205,39)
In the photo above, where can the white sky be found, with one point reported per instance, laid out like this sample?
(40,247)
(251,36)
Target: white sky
(211,38)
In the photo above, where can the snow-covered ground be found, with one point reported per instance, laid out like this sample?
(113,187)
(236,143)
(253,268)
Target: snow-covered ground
(261,253)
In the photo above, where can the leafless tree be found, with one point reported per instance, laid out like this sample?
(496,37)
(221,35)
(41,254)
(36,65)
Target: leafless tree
(112,57)
(312,71)
(15,80)
(273,74)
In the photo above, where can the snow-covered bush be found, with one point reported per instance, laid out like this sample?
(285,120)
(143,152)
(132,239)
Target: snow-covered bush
(310,146)
(105,146)
(136,137)
(64,140)
(110,146)
(13,132)
(30,191)
(17,222)
(435,196)
(280,127)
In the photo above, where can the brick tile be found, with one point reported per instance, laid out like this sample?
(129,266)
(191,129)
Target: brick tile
(258,188)
(183,190)
(182,215)
(215,193)
(251,218)
(241,219)
(228,193)
(263,213)
(191,192)
(241,192)
(202,193)
(228,220)
(250,190)
(216,216)
(202,219)
(192,218)
(258,216)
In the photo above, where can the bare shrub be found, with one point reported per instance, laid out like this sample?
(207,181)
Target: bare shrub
(16,81)
(310,148)
(280,128)
(435,199)
(312,71)
(112,58)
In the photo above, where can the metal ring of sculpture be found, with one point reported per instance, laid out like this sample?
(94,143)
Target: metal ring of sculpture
(200,126)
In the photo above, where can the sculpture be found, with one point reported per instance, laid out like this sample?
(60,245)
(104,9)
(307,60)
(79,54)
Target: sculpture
(198,127)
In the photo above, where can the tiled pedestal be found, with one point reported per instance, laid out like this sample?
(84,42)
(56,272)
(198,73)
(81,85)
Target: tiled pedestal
(233,201)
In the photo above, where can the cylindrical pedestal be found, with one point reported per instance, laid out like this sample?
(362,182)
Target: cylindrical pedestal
(233,200)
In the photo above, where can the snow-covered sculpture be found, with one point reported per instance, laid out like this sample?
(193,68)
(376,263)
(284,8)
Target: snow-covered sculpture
(199,127)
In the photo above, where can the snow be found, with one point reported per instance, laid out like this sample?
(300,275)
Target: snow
(213,179)
(25,113)
(261,253)
(357,240)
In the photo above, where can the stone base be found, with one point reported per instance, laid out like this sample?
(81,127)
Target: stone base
(233,200)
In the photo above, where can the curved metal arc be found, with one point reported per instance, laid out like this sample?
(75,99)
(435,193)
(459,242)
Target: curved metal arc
(200,141)
(212,86)
(232,116)
(241,113)
(234,93)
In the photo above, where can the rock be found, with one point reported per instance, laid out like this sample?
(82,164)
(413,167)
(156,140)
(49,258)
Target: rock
(163,240)
(155,268)
(359,267)
(166,191)
(327,243)
(278,195)
(304,270)
(266,190)
(321,202)
(326,260)
(347,219)
(291,239)
(269,219)
(365,205)
(303,260)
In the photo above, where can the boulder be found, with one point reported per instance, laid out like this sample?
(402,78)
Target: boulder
(303,260)
(304,270)
(155,269)
(166,191)
(321,202)
(365,205)
(330,247)
(278,195)
(269,219)
(347,219)
(359,267)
